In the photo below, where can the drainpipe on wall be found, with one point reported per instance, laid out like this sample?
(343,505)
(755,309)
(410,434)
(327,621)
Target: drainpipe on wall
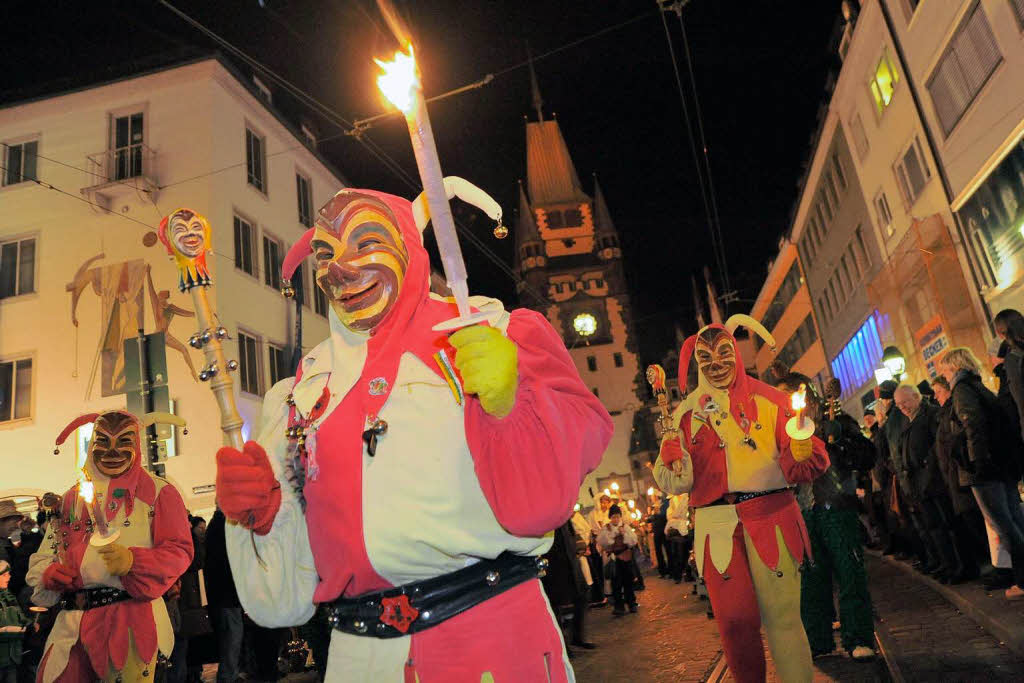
(946,186)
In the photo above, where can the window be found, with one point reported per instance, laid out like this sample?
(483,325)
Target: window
(279,365)
(1018,10)
(308,133)
(970,58)
(17,267)
(592,363)
(255,161)
(555,219)
(883,83)
(15,389)
(618,359)
(856,266)
(802,339)
(884,214)
(828,206)
(840,173)
(271,262)
(20,162)
(862,249)
(830,188)
(909,7)
(912,172)
(826,314)
(860,138)
(249,364)
(819,212)
(319,299)
(986,269)
(245,246)
(127,146)
(305,200)
(573,218)
(844,269)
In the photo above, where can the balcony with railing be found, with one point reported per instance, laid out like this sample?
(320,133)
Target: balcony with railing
(117,172)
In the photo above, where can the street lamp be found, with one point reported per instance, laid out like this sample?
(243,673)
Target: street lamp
(894,362)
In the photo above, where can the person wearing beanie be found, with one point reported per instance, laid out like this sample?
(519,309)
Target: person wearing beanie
(12,628)
(618,538)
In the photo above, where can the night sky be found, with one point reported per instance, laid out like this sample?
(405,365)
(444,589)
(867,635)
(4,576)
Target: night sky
(760,69)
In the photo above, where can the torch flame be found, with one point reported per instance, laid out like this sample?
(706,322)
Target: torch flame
(87,491)
(800,398)
(400,79)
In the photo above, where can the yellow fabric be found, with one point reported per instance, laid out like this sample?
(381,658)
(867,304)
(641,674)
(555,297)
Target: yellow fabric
(801,449)
(749,469)
(488,363)
(118,558)
(778,598)
(714,525)
(134,668)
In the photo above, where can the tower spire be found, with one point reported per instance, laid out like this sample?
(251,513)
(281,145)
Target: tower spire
(602,217)
(534,88)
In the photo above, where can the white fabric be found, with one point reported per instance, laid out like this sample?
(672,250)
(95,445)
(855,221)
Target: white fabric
(671,482)
(278,592)
(678,513)
(606,539)
(581,526)
(715,525)
(597,519)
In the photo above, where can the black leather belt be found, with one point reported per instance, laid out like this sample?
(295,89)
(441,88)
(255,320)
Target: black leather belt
(90,598)
(417,606)
(737,498)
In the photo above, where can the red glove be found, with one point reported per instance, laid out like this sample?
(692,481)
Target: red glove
(59,577)
(247,490)
(671,450)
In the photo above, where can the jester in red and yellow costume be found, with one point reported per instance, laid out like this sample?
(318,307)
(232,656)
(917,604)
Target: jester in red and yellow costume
(113,622)
(406,480)
(731,452)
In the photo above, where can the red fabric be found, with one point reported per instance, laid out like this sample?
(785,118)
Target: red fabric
(105,633)
(59,577)
(512,636)
(762,515)
(531,463)
(734,601)
(78,669)
(154,570)
(247,490)
(710,472)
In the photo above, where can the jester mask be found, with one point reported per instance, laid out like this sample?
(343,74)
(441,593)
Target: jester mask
(186,236)
(715,353)
(115,443)
(361,259)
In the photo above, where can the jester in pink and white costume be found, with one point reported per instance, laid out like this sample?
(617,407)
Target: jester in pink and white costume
(731,452)
(407,480)
(113,621)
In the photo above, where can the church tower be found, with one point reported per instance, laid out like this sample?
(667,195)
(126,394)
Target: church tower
(568,251)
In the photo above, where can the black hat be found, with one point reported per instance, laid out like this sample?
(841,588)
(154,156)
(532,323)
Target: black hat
(614,510)
(925,388)
(887,388)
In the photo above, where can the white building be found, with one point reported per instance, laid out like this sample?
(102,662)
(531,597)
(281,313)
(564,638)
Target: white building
(198,135)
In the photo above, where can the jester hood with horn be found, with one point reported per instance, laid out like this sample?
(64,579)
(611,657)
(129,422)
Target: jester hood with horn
(113,622)
(398,455)
(731,452)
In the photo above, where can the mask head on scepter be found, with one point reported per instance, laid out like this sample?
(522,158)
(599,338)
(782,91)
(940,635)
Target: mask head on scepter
(186,236)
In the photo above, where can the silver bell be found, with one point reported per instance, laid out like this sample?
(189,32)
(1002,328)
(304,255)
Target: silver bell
(221,332)
(204,375)
(212,369)
(232,365)
(492,578)
(359,626)
(195,342)
(206,336)
(286,289)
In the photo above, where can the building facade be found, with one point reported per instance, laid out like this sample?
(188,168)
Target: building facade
(81,270)
(568,256)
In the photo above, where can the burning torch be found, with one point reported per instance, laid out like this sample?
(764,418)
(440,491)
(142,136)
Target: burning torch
(103,535)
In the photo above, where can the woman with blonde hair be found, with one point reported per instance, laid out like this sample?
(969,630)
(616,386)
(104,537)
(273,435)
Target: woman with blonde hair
(985,448)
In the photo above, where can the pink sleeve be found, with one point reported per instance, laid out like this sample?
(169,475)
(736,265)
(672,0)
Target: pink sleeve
(531,463)
(154,570)
(803,472)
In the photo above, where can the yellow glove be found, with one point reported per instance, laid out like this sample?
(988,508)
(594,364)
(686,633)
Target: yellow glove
(802,449)
(488,363)
(118,558)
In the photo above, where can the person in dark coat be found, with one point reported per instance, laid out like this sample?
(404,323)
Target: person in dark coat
(658,520)
(224,608)
(902,539)
(185,666)
(986,447)
(928,500)
(564,583)
(1009,324)
(968,526)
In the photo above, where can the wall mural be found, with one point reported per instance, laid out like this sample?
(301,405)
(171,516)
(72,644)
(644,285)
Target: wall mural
(121,288)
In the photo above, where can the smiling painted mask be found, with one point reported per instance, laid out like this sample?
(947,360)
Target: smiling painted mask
(715,354)
(115,443)
(361,260)
(186,236)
